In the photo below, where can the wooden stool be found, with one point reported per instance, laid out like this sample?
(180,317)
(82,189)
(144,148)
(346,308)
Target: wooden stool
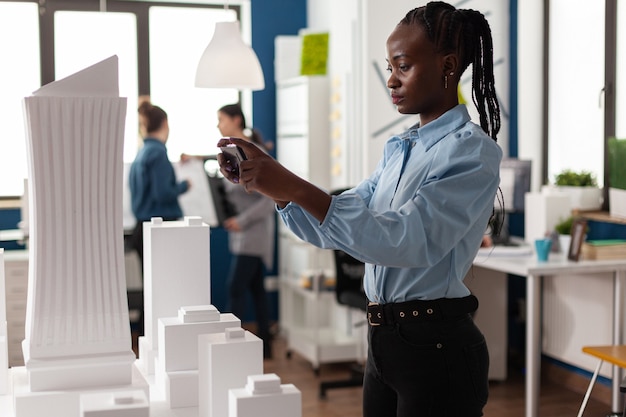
(615,354)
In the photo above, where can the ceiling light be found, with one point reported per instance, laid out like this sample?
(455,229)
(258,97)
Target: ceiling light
(227,62)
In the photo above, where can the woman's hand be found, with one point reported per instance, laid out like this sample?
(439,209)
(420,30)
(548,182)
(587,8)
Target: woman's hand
(263,174)
(259,172)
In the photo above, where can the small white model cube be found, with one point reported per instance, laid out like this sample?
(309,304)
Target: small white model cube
(264,396)
(117,404)
(225,360)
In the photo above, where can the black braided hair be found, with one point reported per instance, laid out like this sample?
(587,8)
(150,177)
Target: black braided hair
(466,33)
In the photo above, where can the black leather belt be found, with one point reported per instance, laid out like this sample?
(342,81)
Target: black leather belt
(420,310)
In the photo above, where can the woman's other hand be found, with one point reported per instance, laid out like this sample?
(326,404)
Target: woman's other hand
(232,225)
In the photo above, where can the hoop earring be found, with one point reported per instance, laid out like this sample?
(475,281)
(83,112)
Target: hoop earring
(445,81)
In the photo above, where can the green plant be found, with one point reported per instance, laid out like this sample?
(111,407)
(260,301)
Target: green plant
(564,227)
(576,179)
(617,168)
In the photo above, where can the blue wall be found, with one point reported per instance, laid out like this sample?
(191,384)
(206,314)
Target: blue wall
(271,18)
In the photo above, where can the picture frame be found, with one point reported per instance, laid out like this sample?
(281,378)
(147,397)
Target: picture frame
(579,228)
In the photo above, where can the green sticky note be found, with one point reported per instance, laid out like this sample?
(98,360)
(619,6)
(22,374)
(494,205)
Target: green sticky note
(314,54)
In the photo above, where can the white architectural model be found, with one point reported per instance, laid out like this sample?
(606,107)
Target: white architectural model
(225,360)
(77,347)
(264,396)
(77,326)
(177,363)
(177,272)
(4,342)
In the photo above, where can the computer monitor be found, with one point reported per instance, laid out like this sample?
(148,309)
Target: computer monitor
(514,184)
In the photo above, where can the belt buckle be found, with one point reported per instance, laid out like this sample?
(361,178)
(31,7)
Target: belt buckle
(369,314)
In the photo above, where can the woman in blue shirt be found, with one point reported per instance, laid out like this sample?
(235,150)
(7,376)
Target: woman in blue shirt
(154,189)
(417,221)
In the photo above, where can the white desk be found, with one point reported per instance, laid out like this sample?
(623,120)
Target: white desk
(534,271)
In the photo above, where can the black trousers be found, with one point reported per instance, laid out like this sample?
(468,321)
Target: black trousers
(430,368)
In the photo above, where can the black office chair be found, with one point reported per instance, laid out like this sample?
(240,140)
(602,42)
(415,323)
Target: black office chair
(349,292)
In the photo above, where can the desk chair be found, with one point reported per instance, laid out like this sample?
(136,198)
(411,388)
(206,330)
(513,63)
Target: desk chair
(614,354)
(349,292)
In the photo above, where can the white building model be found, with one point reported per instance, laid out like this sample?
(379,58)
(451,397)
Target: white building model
(77,324)
(77,348)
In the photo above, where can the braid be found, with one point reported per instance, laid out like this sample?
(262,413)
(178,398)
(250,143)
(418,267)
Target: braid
(483,83)
(466,33)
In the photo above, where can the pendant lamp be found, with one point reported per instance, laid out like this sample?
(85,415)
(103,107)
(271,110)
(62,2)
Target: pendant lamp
(227,62)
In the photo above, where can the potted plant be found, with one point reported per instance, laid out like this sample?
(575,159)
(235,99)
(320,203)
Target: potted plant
(564,231)
(582,188)
(563,228)
(617,177)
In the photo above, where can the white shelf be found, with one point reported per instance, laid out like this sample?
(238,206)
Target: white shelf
(309,317)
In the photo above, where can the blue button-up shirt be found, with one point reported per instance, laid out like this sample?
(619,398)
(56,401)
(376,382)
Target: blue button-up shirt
(418,220)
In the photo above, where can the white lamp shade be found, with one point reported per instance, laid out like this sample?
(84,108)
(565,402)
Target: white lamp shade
(227,62)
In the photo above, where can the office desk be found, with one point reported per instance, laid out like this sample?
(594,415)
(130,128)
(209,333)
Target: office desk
(534,271)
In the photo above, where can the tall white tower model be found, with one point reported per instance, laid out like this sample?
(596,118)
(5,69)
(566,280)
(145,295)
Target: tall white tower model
(77,325)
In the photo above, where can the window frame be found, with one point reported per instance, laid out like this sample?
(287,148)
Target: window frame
(609,90)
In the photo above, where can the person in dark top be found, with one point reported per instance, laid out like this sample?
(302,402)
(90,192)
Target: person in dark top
(154,189)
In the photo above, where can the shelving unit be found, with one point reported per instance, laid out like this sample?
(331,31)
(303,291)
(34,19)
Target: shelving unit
(309,318)
(16,283)
(600,216)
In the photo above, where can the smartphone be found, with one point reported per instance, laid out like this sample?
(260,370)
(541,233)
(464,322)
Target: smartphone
(235,155)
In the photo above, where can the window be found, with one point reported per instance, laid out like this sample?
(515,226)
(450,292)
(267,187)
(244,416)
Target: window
(19,77)
(82,39)
(587,84)
(158,49)
(178,37)
(576,81)
(620,128)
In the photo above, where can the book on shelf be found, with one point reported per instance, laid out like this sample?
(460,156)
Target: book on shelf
(604,249)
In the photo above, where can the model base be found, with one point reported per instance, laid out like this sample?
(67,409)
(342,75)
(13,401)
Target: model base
(65,403)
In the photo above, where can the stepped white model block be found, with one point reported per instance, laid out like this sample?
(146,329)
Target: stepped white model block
(179,340)
(65,403)
(177,363)
(4,338)
(76,333)
(177,272)
(225,360)
(120,404)
(542,212)
(264,396)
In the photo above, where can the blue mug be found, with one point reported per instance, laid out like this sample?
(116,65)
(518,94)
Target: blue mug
(543,246)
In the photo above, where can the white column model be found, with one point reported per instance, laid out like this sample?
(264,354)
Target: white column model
(77,325)
(4,340)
